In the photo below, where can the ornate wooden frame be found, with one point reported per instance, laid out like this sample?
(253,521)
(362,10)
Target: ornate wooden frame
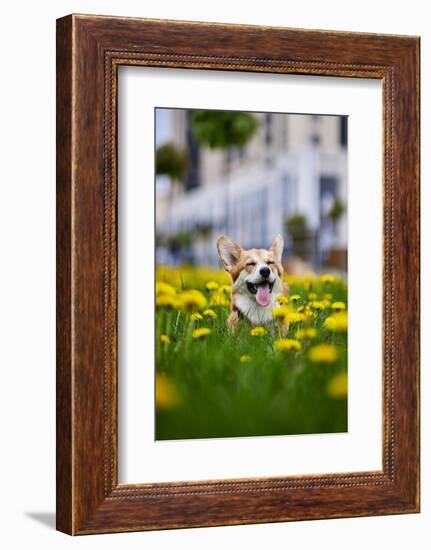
(89,51)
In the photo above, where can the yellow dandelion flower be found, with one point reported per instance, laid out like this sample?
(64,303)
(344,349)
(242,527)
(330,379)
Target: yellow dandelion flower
(280,311)
(190,300)
(295,298)
(210,313)
(307,333)
(323,353)
(226,289)
(338,306)
(319,305)
(306,310)
(309,314)
(337,387)
(166,392)
(245,359)
(327,278)
(294,317)
(165,288)
(312,296)
(166,300)
(165,339)
(212,285)
(197,316)
(258,331)
(201,333)
(287,344)
(337,322)
(219,298)
(330,323)
(327,296)
(282,300)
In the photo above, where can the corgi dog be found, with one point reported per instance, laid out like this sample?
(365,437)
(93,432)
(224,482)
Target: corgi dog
(256,279)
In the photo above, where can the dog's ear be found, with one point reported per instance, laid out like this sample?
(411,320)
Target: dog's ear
(277,247)
(229,251)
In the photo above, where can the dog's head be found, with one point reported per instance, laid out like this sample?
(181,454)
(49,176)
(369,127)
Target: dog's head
(255,271)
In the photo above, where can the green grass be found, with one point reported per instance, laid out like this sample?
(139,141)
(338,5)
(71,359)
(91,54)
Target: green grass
(213,394)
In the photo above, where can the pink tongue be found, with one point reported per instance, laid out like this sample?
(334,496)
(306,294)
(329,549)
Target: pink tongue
(262,295)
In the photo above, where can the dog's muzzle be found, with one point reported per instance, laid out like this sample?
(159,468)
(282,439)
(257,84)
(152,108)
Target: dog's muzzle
(262,291)
(253,287)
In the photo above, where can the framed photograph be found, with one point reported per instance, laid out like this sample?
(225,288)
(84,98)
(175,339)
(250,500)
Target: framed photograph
(237,274)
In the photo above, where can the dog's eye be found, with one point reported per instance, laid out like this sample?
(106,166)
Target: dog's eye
(251,263)
(269,262)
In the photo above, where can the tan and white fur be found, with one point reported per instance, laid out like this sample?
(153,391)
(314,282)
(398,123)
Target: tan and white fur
(256,279)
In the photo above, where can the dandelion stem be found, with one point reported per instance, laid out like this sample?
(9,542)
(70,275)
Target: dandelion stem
(177,321)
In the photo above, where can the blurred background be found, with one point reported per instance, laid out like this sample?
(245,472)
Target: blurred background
(251,175)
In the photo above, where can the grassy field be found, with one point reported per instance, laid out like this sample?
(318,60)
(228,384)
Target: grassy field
(257,381)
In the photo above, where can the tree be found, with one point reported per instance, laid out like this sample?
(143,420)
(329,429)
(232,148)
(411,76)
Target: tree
(297,227)
(336,211)
(223,129)
(181,241)
(296,224)
(171,161)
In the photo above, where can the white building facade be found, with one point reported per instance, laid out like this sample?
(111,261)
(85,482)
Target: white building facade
(294,165)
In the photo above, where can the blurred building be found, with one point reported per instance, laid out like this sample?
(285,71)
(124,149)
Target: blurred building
(294,166)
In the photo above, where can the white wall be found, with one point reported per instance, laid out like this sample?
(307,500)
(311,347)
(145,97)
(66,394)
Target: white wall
(27,311)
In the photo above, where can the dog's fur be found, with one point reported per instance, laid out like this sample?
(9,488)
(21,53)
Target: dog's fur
(244,267)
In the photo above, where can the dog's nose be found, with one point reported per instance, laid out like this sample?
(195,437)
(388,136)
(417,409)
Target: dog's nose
(264,271)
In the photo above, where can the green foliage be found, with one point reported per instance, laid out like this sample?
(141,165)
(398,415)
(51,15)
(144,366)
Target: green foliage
(296,223)
(204,230)
(273,393)
(297,228)
(222,129)
(183,239)
(171,161)
(337,210)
